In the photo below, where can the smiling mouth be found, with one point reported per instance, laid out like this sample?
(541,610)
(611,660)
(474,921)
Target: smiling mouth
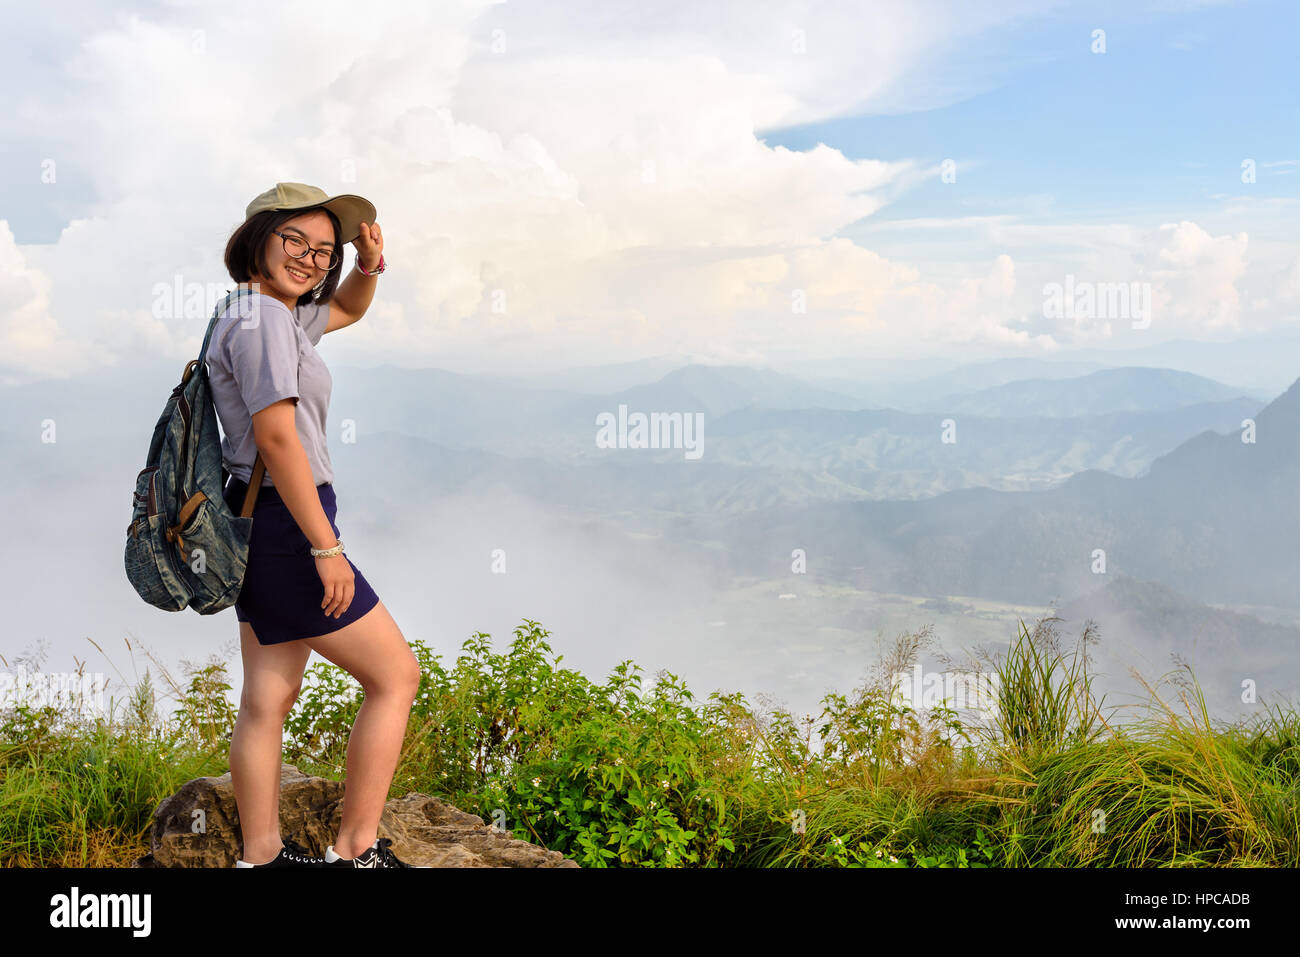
(297,274)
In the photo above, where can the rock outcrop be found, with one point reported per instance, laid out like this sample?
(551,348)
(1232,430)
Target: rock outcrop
(198,826)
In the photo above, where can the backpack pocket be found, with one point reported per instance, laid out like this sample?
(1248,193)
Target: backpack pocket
(144,500)
(211,550)
(148,568)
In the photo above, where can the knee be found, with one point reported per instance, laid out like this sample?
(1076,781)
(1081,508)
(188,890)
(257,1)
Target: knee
(268,705)
(407,679)
(401,680)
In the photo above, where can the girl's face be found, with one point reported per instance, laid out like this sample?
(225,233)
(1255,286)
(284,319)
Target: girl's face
(287,277)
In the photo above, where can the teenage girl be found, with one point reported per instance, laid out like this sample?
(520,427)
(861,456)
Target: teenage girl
(300,593)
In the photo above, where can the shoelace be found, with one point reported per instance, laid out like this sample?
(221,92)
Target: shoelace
(298,853)
(386,856)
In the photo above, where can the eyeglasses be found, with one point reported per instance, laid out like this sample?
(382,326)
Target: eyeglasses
(297,247)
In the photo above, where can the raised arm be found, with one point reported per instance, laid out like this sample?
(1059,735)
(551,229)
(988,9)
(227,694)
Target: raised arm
(353,296)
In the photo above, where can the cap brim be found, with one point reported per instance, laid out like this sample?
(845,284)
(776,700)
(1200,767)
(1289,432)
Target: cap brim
(352,211)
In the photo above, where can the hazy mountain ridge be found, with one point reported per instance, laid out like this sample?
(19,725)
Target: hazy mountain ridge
(1150,626)
(758,418)
(891,454)
(1214,517)
(1107,391)
(885,389)
(436,470)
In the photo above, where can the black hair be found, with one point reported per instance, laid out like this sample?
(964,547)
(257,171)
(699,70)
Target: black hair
(246,249)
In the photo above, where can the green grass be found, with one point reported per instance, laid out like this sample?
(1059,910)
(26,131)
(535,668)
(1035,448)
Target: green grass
(614,774)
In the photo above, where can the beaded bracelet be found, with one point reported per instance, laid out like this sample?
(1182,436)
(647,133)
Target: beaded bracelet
(378,269)
(328,552)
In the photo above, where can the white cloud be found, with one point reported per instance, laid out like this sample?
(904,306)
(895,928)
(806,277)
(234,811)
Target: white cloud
(31,342)
(1197,276)
(576,183)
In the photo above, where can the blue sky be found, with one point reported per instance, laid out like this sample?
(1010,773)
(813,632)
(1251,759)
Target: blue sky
(1158,123)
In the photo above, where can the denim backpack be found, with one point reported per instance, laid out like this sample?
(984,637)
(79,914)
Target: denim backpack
(184,546)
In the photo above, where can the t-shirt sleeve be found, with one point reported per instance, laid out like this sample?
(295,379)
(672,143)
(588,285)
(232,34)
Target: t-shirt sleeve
(314,317)
(263,351)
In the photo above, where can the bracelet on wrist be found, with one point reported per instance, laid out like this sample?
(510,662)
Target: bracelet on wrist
(378,269)
(327,552)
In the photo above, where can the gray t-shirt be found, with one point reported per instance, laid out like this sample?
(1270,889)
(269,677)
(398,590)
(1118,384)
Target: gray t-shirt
(260,353)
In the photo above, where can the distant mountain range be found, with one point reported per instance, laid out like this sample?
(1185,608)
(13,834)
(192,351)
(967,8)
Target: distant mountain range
(899,455)
(1048,467)
(1153,627)
(1097,393)
(808,444)
(1216,517)
(775,446)
(889,387)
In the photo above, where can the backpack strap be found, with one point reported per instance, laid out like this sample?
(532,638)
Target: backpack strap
(254,486)
(259,467)
(235,293)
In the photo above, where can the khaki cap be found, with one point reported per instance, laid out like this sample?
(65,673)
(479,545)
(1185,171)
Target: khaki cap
(351,210)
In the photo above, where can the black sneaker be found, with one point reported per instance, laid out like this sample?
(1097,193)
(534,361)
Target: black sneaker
(379,854)
(291,855)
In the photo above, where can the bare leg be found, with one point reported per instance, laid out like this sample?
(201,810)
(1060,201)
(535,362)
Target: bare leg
(272,680)
(373,650)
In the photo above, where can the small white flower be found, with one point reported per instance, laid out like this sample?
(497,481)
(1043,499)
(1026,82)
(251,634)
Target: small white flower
(893,859)
(879,853)
(537,782)
(652,803)
(664,783)
(618,760)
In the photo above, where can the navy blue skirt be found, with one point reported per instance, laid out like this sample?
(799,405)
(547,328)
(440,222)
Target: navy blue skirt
(282,593)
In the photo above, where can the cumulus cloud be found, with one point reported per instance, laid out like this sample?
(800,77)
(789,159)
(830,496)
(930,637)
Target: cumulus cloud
(556,184)
(31,342)
(1197,276)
